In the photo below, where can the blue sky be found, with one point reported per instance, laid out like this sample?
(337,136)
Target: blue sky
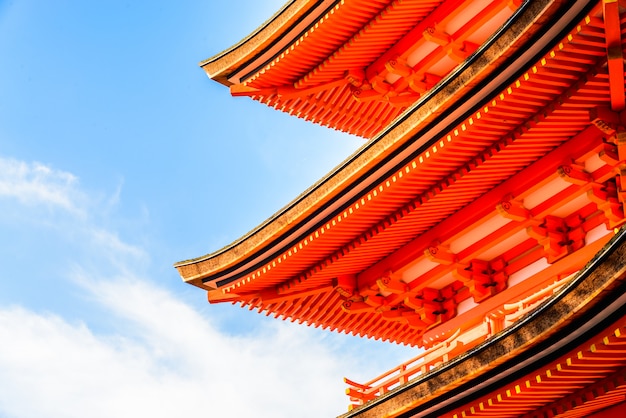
(118,157)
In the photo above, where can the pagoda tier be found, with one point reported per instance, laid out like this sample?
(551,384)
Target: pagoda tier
(462,226)
(356,65)
(515,188)
(566,359)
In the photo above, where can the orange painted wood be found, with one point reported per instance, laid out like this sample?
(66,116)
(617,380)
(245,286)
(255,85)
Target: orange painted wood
(341,72)
(545,126)
(615,54)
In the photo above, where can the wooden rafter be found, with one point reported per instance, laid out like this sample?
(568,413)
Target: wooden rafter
(339,87)
(614,52)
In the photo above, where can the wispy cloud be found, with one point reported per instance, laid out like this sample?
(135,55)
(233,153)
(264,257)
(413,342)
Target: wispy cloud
(119,253)
(37,184)
(169,361)
(159,356)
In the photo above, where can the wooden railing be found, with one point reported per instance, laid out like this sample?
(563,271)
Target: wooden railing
(511,312)
(421,364)
(457,343)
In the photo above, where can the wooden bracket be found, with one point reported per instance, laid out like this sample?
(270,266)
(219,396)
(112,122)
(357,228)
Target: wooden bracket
(605,197)
(575,174)
(398,66)
(484,278)
(559,236)
(513,209)
(435,35)
(389,284)
(440,254)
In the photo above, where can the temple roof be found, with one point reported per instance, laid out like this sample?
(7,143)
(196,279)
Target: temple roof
(356,65)
(509,166)
(481,222)
(565,360)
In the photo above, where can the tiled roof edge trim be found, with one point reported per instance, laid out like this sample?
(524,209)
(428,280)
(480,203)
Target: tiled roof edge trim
(276,30)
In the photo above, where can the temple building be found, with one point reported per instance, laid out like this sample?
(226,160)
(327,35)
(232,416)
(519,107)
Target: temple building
(482,219)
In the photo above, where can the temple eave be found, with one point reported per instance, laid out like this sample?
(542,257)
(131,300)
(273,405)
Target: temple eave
(423,113)
(275,33)
(483,221)
(592,303)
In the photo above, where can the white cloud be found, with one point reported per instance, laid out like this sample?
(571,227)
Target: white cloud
(37,184)
(160,357)
(78,216)
(170,361)
(118,252)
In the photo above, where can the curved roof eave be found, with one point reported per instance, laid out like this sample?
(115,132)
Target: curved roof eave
(411,132)
(269,38)
(589,303)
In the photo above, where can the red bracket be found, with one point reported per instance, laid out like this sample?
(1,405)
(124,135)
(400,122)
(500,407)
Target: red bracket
(484,278)
(559,236)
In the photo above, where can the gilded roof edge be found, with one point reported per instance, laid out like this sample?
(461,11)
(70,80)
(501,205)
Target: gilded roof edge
(221,65)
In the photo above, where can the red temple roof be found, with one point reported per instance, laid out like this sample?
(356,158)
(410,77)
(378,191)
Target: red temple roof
(372,243)
(467,212)
(356,65)
(566,359)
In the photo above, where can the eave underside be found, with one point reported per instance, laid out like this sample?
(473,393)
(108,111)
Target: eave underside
(366,270)
(402,140)
(476,203)
(566,359)
(360,64)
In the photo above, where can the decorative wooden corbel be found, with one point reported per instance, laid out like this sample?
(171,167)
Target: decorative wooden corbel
(439,253)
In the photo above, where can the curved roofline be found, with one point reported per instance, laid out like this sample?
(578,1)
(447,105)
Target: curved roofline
(286,25)
(432,113)
(386,151)
(581,308)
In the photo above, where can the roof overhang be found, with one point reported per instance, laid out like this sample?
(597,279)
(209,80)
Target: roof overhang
(356,65)
(271,38)
(563,358)
(526,131)
(420,127)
